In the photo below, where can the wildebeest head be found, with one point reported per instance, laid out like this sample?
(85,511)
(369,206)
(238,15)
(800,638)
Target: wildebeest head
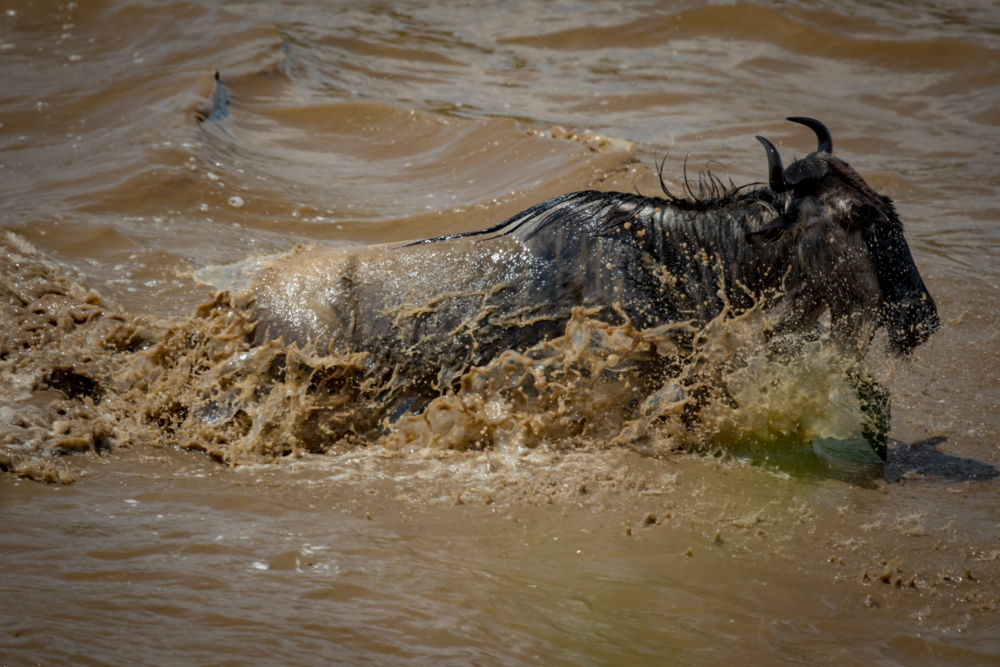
(848,241)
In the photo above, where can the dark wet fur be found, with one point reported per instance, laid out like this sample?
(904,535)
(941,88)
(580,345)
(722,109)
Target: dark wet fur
(718,221)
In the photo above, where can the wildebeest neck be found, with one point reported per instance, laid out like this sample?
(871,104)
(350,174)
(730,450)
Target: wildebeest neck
(660,260)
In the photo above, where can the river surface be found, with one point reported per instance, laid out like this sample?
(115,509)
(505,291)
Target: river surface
(125,170)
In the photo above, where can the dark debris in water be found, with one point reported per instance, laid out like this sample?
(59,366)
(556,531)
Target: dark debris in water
(217,106)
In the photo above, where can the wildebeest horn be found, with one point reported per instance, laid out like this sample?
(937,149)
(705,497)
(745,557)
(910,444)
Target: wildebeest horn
(822,134)
(775,172)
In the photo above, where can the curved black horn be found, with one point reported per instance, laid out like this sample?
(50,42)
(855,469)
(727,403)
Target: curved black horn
(775,172)
(822,134)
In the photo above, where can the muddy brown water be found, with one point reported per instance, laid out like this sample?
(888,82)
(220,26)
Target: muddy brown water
(357,123)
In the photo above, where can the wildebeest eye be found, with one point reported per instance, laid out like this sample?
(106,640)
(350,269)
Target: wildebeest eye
(862,216)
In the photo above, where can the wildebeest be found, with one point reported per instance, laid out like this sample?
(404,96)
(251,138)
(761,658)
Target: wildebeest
(817,238)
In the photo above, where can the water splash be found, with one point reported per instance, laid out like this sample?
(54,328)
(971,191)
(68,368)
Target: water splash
(80,375)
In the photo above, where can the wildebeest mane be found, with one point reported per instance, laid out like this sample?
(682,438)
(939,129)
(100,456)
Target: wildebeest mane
(709,193)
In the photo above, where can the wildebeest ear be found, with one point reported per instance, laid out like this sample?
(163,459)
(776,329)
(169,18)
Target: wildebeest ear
(804,175)
(770,232)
